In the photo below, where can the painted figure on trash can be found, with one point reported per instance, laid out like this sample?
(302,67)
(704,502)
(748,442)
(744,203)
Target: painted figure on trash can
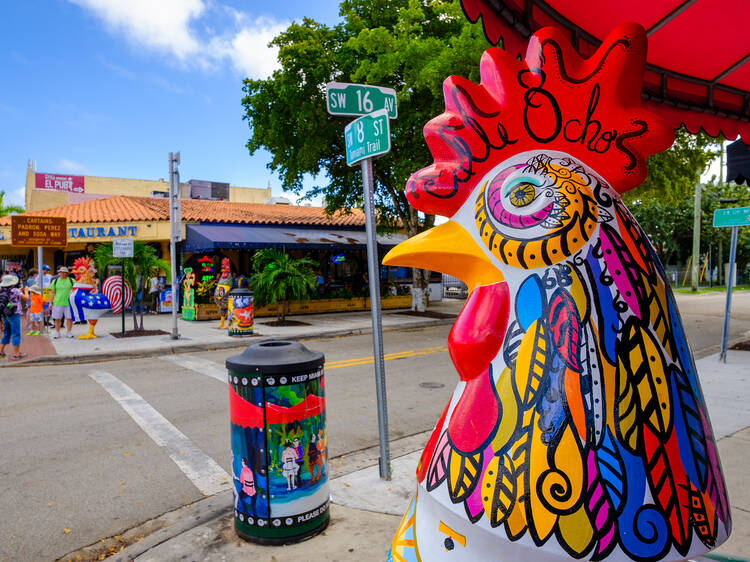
(221,293)
(86,303)
(578,429)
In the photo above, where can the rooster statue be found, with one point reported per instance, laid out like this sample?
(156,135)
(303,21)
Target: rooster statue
(221,293)
(85,302)
(578,429)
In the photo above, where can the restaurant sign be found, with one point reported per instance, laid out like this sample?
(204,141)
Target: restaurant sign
(28,230)
(54,182)
(102,231)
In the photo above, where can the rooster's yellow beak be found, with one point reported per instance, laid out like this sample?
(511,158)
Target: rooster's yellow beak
(447,248)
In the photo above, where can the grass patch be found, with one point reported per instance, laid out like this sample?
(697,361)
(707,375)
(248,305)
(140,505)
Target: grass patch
(715,289)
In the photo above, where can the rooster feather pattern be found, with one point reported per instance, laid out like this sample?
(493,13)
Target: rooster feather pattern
(578,428)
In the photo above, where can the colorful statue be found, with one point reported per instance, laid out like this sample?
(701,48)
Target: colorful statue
(578,429)
(113,290)
(221,293)
(188,294)
(85,302)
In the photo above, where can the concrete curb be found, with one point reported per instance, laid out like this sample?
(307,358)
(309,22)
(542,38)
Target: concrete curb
(183,519)
(169,349)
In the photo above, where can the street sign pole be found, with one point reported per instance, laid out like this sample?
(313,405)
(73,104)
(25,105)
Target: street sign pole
(365,138)
(122,292)
(730,286)
(377,324)
(175,223)
(39,259)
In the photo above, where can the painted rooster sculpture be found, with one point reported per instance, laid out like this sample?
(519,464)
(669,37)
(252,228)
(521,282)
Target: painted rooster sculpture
(578,428)
(85,302)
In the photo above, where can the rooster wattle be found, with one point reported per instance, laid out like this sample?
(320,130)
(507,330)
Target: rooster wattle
(578,428)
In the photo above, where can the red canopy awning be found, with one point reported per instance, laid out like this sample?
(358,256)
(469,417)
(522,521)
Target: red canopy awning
(698,64)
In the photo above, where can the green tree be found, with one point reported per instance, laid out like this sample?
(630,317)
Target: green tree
(141,267)
(663,203)
(409,45)
(8,209)
(278,277)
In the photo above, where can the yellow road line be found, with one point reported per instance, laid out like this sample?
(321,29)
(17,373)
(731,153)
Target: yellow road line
(387,357)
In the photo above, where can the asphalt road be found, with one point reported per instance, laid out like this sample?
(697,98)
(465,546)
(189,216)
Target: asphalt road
(76,467)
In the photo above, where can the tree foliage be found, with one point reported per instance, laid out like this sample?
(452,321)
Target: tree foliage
(8,209)
(141,267)
(278,277)
(409,45)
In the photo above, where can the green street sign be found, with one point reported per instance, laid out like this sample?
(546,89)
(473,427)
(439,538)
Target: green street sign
(739,216)
(367,136)
(359,99)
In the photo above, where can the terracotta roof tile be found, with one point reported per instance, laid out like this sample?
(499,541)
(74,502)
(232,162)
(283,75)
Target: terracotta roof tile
(121,208)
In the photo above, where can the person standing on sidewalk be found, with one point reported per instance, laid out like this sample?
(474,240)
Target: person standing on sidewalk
(36,309)
(59,297)
(10,310)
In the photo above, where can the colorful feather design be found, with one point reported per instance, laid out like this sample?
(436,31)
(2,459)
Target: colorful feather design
(565,327)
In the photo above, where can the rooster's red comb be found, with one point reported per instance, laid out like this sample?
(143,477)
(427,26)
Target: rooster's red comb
(552,100)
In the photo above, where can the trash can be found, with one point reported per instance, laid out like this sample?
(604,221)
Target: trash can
(279,454)
(240,312)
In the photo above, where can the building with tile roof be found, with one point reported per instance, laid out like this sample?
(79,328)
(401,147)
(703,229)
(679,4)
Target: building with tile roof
(210,231)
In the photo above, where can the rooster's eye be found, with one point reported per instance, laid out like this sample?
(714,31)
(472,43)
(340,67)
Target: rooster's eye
(522,194)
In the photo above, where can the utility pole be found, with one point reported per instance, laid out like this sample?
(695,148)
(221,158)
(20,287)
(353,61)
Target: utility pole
(175,229)
(695,270)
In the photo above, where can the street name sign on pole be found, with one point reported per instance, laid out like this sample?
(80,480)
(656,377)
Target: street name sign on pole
(122,248)
(739,216)
(343,98)
(367,137)
(734,218)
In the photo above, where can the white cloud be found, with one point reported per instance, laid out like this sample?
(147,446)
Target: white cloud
(163,25)
(68,166)
(15,198)
(170,27)
(248,49)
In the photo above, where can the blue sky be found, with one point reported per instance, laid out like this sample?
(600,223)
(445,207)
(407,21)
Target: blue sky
(109,87)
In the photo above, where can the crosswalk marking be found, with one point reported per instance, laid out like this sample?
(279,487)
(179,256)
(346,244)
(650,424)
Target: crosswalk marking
(199,365)
(201,469)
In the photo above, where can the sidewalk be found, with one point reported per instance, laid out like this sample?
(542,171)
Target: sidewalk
(365,511)
(197,336)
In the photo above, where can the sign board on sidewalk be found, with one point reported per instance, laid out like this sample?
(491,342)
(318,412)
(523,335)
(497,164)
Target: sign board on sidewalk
(359,99)
(26,230)
(122,247)
(739,216)
(367,137)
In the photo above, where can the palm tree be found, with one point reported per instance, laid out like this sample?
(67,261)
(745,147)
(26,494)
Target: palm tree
(280,278)
(10,209)
(143,265)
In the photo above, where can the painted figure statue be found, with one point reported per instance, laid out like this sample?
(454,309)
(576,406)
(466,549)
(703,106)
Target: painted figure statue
(85,302)
(221,293)
(188,294)
(578,429)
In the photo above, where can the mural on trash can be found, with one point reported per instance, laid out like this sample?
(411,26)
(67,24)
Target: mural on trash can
(240,314)
(287,468)
(578,428)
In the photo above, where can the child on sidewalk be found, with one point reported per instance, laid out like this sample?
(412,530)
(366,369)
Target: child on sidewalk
(35,309)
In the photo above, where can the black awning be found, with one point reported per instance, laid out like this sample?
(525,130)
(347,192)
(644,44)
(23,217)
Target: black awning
(738,162)
(204,237)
